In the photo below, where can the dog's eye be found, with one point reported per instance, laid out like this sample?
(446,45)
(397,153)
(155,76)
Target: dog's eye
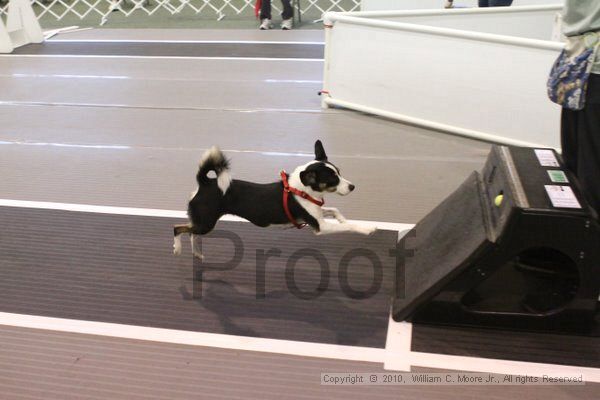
(334,181)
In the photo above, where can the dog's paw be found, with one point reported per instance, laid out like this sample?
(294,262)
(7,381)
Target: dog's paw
(368,230)
(177,249)
(198,255)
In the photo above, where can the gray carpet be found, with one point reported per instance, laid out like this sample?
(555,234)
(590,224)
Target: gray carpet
(120,269)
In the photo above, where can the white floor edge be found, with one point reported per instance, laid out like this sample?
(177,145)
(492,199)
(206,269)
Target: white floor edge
(183,41)
(396,356)
(152,212)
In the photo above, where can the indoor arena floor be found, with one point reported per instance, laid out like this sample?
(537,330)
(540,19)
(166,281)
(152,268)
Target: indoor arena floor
(112,123)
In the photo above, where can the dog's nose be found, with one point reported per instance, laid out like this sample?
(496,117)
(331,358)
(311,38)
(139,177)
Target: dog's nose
(351,187)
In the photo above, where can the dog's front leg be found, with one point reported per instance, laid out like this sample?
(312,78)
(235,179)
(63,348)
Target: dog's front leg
(326,228)
(335,213)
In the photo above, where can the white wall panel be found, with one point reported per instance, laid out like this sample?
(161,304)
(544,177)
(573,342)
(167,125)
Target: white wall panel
(485,86)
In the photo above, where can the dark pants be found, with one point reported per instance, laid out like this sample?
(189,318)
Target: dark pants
(265,9)
(580,137)
(494,3)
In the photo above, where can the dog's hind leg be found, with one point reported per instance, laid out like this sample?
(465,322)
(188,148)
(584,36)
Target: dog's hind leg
(196,252)
(205,227)
(179,230)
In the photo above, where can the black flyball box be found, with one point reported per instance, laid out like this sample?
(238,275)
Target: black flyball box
(516,246)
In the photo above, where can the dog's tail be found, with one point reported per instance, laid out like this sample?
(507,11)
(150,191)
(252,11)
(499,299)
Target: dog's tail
(214,160)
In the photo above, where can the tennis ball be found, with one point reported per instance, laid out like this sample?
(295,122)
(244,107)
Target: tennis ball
(498,200)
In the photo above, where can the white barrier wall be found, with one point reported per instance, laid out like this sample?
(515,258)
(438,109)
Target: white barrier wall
(376,5)
(481,85)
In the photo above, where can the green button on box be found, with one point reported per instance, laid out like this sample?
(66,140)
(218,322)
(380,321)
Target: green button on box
(558,176)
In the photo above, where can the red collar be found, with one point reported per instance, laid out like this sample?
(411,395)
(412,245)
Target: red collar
(287,189)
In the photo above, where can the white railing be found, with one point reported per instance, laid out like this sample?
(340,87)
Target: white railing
(103,9)
(378,5)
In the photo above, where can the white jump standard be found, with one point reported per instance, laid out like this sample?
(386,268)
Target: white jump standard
(22,27)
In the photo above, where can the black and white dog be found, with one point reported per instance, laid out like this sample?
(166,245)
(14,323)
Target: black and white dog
(267,204)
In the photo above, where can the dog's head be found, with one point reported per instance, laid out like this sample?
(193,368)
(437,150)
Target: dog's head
(322,176)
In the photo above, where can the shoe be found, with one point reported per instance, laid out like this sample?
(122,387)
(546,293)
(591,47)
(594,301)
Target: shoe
(449,4)
(287,24)
(265,24)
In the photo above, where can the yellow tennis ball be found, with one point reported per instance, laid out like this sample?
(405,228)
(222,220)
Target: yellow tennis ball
(498,200)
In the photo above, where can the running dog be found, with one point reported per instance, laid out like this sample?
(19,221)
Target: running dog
(296,199)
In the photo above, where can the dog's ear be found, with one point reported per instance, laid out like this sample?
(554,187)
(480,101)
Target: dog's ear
(320,151)
(308,178)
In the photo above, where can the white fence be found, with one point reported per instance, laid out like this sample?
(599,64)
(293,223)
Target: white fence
(473,82)
(102,9)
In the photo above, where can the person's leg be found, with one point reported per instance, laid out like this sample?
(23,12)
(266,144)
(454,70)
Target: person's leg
(265,9)
(568,139)
(484,3)
(589,143)
(288,10)
(581,142)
